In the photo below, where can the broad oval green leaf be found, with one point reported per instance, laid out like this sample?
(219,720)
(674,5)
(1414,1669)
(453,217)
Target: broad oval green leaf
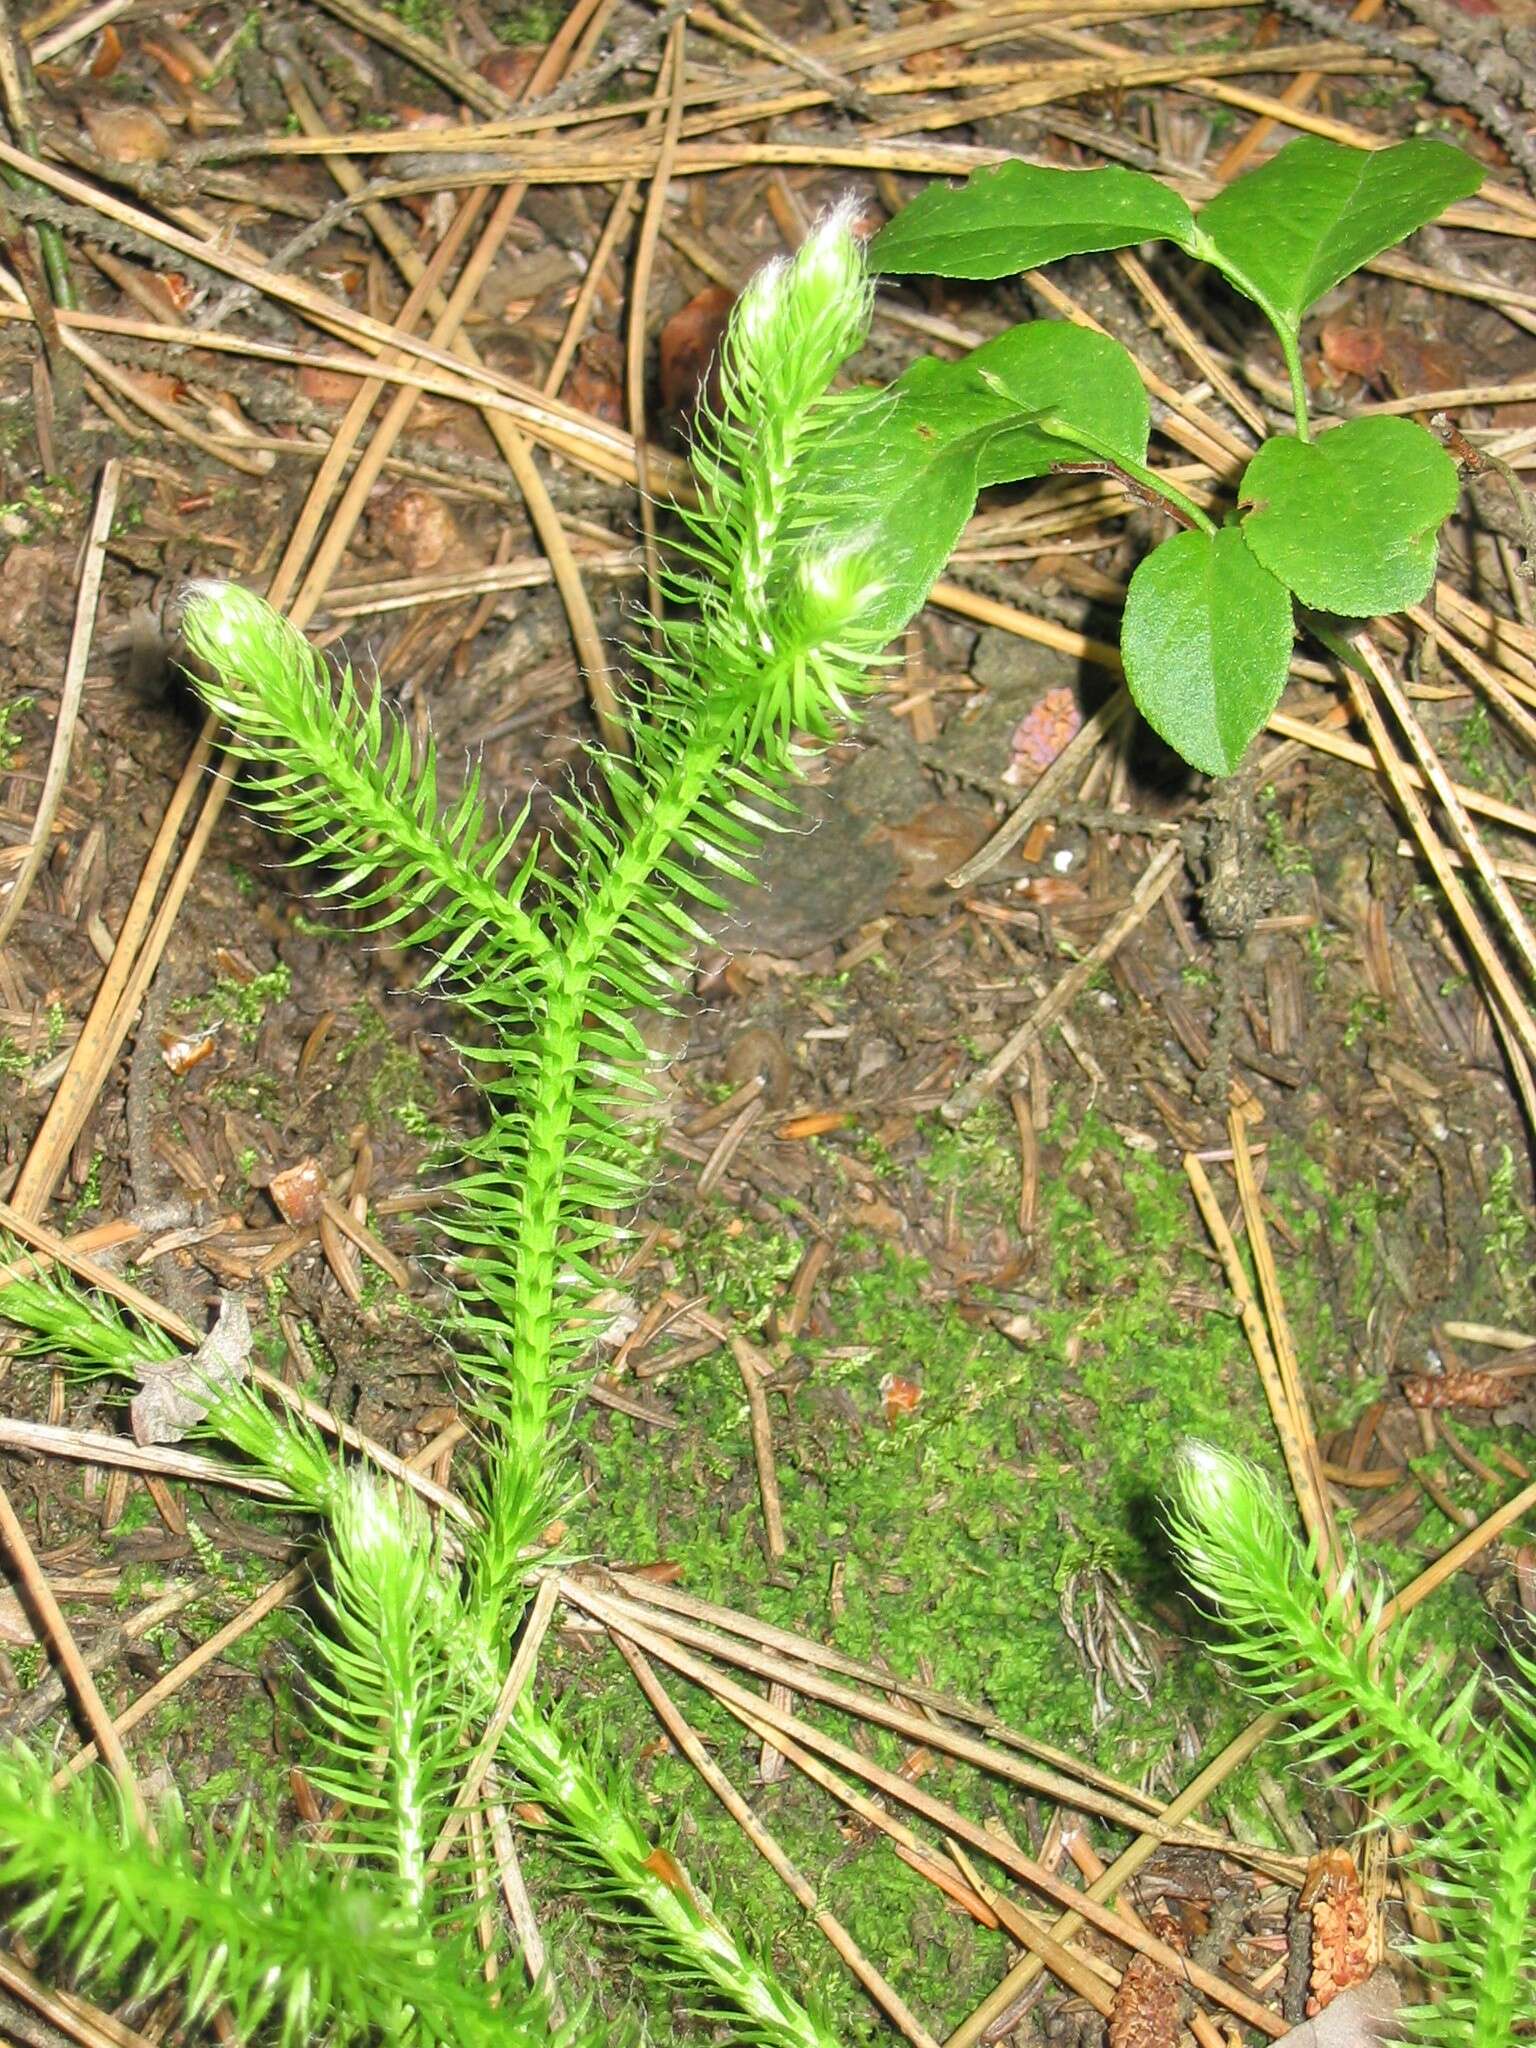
(1015,216)
(886,497)
(1042,371)
(1206,643)
(1349,521)
(1300,224)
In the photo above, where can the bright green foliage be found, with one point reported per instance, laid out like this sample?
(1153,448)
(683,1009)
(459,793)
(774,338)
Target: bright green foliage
(551,954)
(1463,1770)
(1347,526)
(1348,522)
(290,1951)
(1016,216)
(1206,642)
(1300,224)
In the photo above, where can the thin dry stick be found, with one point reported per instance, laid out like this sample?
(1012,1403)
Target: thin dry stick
(1237,1753)
(95,1447)
(894,1786)
(1153,884)
(71,2015)
(1045,1948)
(1344,749)
(181,1674)
(514,1890)
(1066,1790)
(40,1596)
(424,294)
(1487,955)
(143,1305)
(884,1993)
(1296,96)
(1316,1508)
(987,611)
(514,448)
(1179,330)
(57,772)
(1052,785)
(820,1657)
(1504,701)
(1511,916)
(534,1632)
(748,1360)
(100,1038)
(639,307)
(197,1660)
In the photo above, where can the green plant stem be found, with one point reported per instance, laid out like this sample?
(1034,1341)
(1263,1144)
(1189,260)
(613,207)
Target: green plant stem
(1130,471)
(1290,348)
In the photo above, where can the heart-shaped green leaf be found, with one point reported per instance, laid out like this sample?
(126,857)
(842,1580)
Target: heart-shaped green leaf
(1044,370)
(1349,521)
(1016,216)
(1206,643)
(1293,229)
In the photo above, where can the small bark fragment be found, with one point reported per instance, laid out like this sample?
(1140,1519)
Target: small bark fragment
(1341,1927)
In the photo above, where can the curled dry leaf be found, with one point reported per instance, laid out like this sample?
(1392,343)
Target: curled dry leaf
(173,1393)
(299,1193)
(181,1053)
(898,1396)
(108,54)
(128,135)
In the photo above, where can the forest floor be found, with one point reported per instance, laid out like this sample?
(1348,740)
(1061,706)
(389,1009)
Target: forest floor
(903,1381)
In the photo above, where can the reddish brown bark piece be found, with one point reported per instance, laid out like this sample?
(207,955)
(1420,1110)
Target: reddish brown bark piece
(1465,1389)
(1146,2013)
(1341,1926)
(1146,2010)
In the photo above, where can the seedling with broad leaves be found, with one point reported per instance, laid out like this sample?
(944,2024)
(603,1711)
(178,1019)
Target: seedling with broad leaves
(1343,525)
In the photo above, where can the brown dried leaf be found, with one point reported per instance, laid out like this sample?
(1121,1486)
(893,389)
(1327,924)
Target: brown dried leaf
(328,387)
(182,1053)
(690,346)
(510,70)
(173,1392)
(1352,349)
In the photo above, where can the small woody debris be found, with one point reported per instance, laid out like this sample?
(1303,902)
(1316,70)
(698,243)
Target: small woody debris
(1146,2008)
(1341,1927)
(299,1193)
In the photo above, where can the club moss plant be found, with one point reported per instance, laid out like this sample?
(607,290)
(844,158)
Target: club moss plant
(1459,1772)
(550,955)
(812,545)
